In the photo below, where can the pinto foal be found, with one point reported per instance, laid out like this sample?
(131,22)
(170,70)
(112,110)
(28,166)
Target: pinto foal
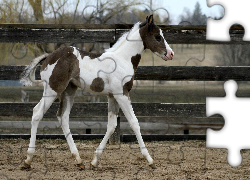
(110,73)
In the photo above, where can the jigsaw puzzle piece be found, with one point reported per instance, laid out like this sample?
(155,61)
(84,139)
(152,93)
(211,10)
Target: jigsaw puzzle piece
(4,177)
(40,161)
(195,90)
(194,156)
(8,94)
(236,113)
(235,12)
(171,160)
(112,157)
(218,168)
(197,175)
(12,157)
(144,173)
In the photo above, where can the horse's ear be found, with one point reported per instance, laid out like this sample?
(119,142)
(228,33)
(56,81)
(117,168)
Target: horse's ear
(150,19)
(150,23)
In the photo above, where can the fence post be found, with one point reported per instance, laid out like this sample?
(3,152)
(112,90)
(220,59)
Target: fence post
(115,137)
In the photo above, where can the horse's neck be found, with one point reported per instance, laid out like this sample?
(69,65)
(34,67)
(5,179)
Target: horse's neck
(132,46)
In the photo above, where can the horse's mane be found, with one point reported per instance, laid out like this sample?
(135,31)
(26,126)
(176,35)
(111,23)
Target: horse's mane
(123,38)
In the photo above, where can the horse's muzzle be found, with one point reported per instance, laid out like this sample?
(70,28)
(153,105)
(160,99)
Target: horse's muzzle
(169,55)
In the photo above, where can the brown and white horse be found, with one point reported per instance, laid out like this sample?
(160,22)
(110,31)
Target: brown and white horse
(110,73)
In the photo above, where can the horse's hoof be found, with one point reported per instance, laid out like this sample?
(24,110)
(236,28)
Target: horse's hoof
(152,166)
(81,166)
(92,167)
(25,166)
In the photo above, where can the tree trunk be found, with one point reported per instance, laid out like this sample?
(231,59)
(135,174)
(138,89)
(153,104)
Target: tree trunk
(37,8)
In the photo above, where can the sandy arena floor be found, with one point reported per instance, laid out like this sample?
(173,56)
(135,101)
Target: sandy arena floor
(174,160)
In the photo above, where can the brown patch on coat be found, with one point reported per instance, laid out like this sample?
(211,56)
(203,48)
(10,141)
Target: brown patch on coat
(111,95)
(135,61)
(97,85)
(53,57)
(113,106)
(69,91)
(67,68)
(149,33)
(128,85)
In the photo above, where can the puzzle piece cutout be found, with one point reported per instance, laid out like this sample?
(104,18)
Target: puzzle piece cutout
(235,111)
(235,12)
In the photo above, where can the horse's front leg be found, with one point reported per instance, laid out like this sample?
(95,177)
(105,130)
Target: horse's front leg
(125,104)
(113,109)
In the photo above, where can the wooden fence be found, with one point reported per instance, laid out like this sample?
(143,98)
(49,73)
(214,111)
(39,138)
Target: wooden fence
(76,33)
(182,116)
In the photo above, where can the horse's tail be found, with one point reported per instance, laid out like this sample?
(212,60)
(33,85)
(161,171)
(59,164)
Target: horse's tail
(28,75)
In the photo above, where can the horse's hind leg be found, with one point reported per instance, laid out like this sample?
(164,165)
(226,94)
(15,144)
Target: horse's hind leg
(67,100)
(38,112)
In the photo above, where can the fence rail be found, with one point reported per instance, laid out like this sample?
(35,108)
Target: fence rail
(148,126)
(169,73)
(101,109)
(123,137)
(77,33)
(175,116)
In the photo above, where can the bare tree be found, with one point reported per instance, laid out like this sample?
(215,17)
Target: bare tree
(37,9)
(195,18)
(105,11)
(233,55)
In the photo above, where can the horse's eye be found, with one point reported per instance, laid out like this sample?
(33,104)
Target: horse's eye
(158,38)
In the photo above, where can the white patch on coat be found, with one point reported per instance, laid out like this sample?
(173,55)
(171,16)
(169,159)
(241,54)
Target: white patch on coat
(166,44)
(114,66)
(76,52)
(124,38)
(45,75)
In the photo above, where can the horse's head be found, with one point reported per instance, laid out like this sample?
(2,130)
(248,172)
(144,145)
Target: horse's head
(153,39)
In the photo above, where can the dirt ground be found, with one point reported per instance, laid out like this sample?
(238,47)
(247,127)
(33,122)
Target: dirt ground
(174,160)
